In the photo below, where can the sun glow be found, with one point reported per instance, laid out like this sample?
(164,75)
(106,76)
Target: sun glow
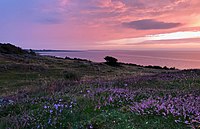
(167,36)
(176,35)
(166,40)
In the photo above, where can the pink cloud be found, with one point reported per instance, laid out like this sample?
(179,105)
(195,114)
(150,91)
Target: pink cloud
(84,23)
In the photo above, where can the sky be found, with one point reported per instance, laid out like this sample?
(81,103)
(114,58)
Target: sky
(101,24)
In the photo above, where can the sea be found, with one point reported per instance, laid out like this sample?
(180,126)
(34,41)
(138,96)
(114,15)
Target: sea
(177,59)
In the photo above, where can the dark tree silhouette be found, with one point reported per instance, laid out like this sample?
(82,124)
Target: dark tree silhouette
(111,61)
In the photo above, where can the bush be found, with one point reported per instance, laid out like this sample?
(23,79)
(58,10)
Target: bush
(68,58)
(32,52)
(153,67)
(111,61)
(159,67)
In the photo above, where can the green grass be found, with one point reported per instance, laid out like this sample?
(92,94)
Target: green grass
(82,115)
(18,72)
(45,80)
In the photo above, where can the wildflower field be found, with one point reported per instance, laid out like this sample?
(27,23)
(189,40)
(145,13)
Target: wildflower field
(41,92)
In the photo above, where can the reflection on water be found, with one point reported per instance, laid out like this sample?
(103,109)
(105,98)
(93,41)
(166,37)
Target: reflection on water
(178,59)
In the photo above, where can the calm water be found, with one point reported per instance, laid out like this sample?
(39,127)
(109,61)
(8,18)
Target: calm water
(178,59)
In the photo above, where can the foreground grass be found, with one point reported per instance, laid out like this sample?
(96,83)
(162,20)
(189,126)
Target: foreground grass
(79,113)
(47,92)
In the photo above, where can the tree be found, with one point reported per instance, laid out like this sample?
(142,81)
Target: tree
(111,61)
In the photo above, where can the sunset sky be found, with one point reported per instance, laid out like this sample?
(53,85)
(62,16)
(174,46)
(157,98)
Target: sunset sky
(101,24)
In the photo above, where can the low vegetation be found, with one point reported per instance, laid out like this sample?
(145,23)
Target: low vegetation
(47,92)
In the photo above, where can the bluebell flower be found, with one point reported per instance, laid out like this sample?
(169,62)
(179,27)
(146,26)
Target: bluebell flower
(49,122)
(51,111)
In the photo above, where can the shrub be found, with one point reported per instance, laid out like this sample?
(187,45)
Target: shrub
(111,61)
(32,52)
(159,67)
(68,58)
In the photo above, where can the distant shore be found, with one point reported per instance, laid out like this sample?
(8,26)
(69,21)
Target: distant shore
(57,51)
(180,60)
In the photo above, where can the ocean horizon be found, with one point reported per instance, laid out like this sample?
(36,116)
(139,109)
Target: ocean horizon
(177,59)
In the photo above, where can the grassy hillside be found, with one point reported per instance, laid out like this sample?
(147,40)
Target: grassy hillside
(26,71)
(49,92)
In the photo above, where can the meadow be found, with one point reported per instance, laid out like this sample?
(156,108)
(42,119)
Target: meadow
(47,92)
